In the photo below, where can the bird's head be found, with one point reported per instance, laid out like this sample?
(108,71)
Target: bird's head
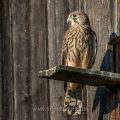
(78,18)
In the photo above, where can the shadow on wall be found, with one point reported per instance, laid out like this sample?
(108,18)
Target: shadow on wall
(106,98)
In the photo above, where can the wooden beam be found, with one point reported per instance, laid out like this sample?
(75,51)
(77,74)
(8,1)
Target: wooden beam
(84,76)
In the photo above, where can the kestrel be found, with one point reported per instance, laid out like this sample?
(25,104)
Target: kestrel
(79,49)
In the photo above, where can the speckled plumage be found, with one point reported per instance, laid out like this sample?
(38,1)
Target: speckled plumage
(78,50)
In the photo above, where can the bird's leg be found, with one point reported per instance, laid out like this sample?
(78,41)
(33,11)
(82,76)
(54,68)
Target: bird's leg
(72,102)
(78,105)
(66,101)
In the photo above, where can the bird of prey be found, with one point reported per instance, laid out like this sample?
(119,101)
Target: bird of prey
(79,49)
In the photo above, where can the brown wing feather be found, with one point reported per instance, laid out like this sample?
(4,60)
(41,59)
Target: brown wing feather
(64,49)
(94,48)
(90,51)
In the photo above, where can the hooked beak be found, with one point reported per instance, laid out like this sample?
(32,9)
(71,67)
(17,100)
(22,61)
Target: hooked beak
(68,20)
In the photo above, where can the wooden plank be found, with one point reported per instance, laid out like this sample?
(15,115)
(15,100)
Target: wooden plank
(56,15)
(101,14)
(7,65)
(84,76)
(118,63)
(29,29)
(117,57)
(38,33)
(21,47)
(115,114)
(1,97)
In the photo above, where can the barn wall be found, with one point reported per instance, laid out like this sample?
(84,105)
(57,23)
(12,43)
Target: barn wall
(0,63)
(31,34)
(7,82)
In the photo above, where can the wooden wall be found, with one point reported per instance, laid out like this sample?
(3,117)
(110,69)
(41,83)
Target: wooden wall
(31,33)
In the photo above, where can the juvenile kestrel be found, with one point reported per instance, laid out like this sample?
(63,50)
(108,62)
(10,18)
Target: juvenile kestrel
(79,49)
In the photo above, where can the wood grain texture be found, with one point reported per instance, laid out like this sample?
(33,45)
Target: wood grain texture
(115,97)
(7,65)
(22,56)
(100,17)
(84,76)
(55,35)
(1,3)
(30,55)
(118,32)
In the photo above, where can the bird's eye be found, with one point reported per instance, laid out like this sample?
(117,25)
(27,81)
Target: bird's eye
(74,16)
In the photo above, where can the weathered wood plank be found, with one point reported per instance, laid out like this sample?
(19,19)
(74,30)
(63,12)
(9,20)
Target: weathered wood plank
(56,15)
(115,113)
(21,47)
(84,76)
(1,97)
(101,14)
(7,82)
(29,29)
(39,91)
